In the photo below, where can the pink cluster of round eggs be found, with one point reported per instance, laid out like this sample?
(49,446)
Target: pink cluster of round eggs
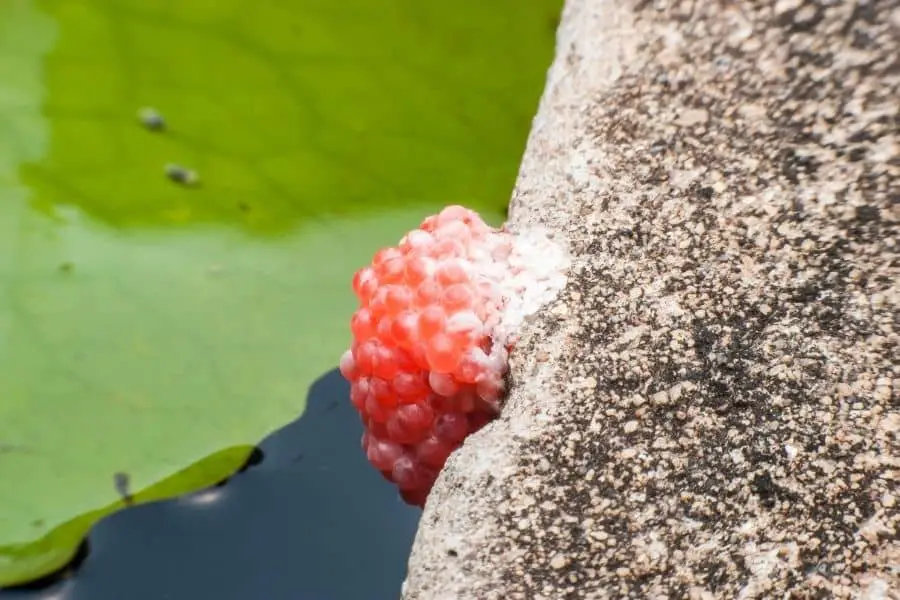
(423,368)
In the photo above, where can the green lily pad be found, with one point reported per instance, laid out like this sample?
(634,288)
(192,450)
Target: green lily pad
(169,288)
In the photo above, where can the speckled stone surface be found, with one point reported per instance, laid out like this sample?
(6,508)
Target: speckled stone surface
(712,407)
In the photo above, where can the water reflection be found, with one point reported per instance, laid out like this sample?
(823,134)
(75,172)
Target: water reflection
(312,521)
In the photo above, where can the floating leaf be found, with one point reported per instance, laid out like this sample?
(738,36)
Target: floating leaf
(185,190)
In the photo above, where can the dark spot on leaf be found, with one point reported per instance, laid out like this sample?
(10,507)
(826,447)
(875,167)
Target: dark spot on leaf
(151,119)
(121,481)
(181,175)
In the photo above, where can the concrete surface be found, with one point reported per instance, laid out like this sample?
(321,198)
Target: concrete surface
(712,408)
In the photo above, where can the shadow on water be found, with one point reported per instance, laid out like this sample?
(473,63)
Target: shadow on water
(311,520)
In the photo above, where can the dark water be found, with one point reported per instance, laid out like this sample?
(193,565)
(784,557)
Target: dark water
(311,521)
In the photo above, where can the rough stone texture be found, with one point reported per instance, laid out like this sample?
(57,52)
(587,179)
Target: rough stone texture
(712,407)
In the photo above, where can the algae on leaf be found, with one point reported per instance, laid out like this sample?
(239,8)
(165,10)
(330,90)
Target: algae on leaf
(145,326)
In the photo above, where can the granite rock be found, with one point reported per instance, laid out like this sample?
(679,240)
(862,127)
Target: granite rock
(711,408)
